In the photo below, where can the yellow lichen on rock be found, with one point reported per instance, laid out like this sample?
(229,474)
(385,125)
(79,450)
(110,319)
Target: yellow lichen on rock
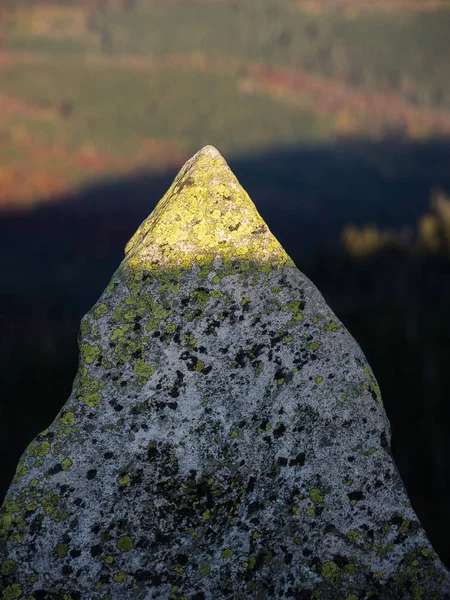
(205,215)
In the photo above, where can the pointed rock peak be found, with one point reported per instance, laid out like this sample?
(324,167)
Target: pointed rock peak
(206,216)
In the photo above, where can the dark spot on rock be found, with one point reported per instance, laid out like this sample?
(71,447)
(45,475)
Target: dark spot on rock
(246,307)
(212,326)
(280,374)
(356,496)
(188,182)
(373,394)
(257,350)
(275,340)
(172,405)
(259,230)
(191,362)
(36,526)
(91,474)
(384,443)
(55,469)
(108,455)
(75,553)
(282,461)
(142,575)
(240,358)
(254,506)
(341,561)
(279,431)
(152,452)
(299,460)
(77,501)
(251,484)
(96,550)
(396,520)
(123,383)
(234,227)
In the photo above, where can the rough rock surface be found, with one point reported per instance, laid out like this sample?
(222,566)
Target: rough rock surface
(225,436)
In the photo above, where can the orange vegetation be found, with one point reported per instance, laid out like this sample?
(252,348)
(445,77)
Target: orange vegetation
(356,111)
(49,19)
(353,8)
(48,171)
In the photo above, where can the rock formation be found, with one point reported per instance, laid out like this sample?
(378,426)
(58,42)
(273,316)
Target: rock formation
(225,437)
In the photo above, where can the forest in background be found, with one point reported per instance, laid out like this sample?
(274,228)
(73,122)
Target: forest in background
(334,115)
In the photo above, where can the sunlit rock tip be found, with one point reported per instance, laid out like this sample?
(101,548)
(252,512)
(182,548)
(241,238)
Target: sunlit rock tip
(205,217)
(225,437)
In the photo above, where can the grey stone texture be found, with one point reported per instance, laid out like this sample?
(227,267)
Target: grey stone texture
(225,437)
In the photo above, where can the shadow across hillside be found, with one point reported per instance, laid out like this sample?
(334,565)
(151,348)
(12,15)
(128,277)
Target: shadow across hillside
(59,258)
(306,195)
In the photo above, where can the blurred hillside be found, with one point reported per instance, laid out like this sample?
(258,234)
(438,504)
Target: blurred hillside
(333,114)
(93,88)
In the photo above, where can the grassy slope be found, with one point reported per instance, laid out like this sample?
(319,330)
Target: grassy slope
(115,107)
